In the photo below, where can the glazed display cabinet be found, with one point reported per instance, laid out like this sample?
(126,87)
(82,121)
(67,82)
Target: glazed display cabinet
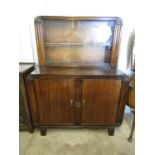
(77,83)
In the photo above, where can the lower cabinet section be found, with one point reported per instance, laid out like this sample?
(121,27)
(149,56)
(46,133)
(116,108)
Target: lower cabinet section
(76,102)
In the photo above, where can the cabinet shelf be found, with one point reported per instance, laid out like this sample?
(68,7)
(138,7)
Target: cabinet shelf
(78,44)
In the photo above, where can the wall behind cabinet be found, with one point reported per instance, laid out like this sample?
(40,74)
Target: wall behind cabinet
(30,9)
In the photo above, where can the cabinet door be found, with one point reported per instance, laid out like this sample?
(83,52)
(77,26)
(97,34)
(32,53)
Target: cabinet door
(54,101)
(101,99)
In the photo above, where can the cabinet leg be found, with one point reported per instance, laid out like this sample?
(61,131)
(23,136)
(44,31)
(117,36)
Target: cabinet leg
(43,131)
(31,130)
(111,132)
(132,130)
(118,124)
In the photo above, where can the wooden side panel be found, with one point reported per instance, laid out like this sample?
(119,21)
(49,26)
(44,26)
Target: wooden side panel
(40,40)
(123,98)
(116,44)
(101,101)
(54,101)
(24,112)
(32,100)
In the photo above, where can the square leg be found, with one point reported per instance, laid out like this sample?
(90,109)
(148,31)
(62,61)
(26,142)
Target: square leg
(111,132)
(43,131)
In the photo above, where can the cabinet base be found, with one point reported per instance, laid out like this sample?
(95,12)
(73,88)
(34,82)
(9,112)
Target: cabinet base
(43,130)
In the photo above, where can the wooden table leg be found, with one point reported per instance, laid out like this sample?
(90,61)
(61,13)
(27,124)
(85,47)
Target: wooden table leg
(132,130)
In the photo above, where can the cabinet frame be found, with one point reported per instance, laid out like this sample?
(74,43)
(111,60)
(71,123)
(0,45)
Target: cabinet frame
(98,62)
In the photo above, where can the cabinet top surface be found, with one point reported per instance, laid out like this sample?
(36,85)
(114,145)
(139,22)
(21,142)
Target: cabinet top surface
(24,67)
(75,72)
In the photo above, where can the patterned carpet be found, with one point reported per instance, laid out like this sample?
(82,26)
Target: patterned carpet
(78,141)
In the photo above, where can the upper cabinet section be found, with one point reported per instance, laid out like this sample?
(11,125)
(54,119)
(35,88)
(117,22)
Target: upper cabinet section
(78,41)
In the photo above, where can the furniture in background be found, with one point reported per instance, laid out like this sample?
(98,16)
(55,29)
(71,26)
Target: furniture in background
(24,112)
(131,76)
(77,83)
(131,104)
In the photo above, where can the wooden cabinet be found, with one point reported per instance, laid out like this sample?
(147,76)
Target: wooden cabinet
(77,83)
(25,122)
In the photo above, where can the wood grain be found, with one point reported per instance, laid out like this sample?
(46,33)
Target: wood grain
(54,101)
(101,101)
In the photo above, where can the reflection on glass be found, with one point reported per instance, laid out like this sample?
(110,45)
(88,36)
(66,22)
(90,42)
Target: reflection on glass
(101,33)
(76,32)
(79,41)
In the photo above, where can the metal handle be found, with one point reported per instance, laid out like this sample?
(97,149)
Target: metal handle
(83,102)
(72,101)
(75,104)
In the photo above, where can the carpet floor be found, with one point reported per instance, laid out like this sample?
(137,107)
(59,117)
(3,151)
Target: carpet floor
(78,141)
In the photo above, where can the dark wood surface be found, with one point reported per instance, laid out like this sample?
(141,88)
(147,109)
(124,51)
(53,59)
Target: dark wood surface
(96,91)
(25,122)
(98,101)
(32,100)
(101,99)
(58,71)
(54,99)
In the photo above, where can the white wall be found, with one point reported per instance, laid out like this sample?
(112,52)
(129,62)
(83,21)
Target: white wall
(30,9)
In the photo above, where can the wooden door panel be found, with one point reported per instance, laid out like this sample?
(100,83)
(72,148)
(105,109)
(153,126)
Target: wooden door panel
(54,101)
(101,101)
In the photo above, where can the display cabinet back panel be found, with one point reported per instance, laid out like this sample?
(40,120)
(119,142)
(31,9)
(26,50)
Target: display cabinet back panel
(78,31)
(77,54)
